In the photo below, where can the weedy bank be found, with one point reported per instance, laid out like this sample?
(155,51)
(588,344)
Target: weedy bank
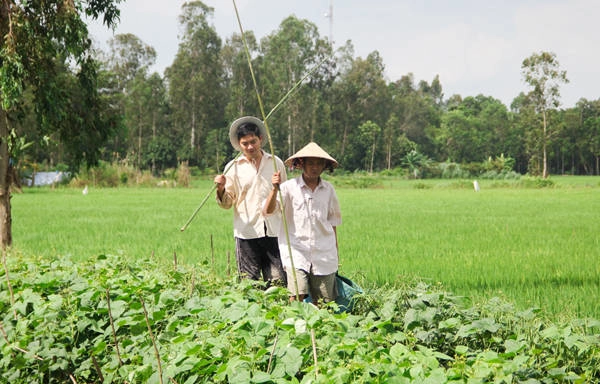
(114,320)
(536,247)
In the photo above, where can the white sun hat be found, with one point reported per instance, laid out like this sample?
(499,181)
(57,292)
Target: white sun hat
(311,150)
(233,138)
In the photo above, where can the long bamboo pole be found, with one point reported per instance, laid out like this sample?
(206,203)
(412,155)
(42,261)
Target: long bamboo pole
(187,223)
(262,111)
(275,108)
(265,121)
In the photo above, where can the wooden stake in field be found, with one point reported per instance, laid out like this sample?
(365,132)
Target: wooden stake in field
(112,326)
(153,339)
(10,290)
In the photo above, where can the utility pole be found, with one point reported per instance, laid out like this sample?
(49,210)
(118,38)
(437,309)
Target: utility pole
(329,15)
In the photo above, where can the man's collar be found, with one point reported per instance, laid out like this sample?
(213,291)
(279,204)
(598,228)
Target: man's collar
(302,183)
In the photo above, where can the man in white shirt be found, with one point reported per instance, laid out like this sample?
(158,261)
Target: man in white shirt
(312,212)
(245,188)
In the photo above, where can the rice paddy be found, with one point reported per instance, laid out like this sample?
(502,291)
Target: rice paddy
(534,247)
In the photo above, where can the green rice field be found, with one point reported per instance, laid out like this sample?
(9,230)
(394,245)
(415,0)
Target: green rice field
(536,247)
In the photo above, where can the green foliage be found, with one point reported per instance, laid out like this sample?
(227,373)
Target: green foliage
(115,174)
(160,154)
(184,116)
(421,186)
(357,180)
(508,239)
(184,174)
(104,175)
(452,170)
(502,175)
(46,62)
(416,162)
(537,182)
(394,172)
(10,70)
(499,163)
(498,168)
(99,321)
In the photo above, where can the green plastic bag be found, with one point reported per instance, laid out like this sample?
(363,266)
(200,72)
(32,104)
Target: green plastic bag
(347,289)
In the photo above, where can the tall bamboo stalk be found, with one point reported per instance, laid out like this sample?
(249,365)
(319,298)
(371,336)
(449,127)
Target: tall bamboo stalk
(262,111)
(112,326)
(153,339)
(10,290)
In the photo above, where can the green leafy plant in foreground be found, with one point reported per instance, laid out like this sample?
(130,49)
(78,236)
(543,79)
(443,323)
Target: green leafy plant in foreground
(113,321)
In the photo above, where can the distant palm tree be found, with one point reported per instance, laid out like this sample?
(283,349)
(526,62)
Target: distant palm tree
(415,162)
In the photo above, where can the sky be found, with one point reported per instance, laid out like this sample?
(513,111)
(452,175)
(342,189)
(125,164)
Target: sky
(475,46)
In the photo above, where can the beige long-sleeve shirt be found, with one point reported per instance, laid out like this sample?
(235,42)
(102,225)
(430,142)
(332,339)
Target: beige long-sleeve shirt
(246,190)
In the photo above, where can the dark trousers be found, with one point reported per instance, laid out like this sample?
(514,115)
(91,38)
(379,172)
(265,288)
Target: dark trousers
(256,257)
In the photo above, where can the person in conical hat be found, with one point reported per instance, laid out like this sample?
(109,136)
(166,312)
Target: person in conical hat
(312,212)
(311,150)
(245,188)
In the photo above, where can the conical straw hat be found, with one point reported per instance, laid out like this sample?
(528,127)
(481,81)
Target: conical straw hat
(311,150)
(235,143)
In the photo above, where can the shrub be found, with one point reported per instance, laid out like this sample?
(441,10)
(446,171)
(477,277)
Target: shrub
(461,184)
(450,170)
(124,178)
(112,321)
(421,186)
(536,182)
(500,175)
(398,172)
(357,181)
(184,174)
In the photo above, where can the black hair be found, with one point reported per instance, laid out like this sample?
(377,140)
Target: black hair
(248,129)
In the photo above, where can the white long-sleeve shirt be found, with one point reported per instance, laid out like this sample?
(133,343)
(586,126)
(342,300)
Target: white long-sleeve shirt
(311,217)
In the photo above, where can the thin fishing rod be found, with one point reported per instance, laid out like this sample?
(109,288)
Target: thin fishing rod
(207,196)
(260,102)
(265,121)
(309,73)
(276,107)
(262,111)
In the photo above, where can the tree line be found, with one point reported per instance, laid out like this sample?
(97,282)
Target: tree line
(346,104)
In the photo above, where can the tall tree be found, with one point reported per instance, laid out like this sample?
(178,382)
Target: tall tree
(389,139)
(417,110)
(128,62)
(146,114)
(196,82)
(523,117)
(369,133)
(342,96)
(128,57)
(589,136)
(288,54)
(37,38)
(241,96)
(457,136)
(361,95)
(542,72)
